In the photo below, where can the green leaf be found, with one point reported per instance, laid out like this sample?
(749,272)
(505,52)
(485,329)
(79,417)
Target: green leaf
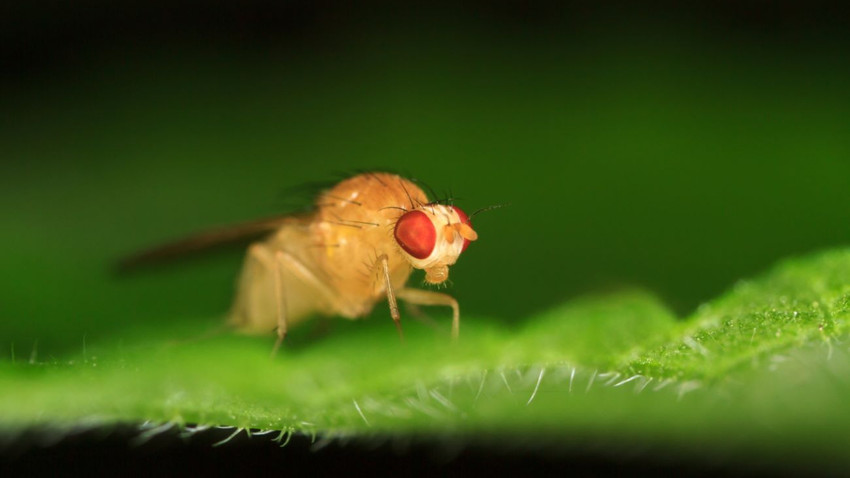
(763,369)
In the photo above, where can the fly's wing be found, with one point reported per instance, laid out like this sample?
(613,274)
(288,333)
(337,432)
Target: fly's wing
(237,233)
(296,200)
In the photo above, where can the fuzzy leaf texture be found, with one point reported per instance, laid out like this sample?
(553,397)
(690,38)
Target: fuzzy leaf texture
(764,369)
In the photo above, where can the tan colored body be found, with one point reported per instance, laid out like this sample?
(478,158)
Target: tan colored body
(340,260)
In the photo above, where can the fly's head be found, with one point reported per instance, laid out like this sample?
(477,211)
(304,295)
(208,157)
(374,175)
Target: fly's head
(432,237)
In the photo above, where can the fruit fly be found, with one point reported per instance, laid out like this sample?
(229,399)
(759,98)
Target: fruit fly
(358,246)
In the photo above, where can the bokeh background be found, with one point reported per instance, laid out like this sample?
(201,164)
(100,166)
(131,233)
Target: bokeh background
(674,148)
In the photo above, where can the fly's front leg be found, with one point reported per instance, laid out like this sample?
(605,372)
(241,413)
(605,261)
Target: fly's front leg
(391,295)
(427,297)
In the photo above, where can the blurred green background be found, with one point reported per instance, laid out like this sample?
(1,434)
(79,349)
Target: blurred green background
(671,149)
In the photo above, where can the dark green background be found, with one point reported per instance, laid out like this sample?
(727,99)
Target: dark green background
(672,149)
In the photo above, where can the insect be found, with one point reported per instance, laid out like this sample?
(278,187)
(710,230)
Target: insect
(358,246)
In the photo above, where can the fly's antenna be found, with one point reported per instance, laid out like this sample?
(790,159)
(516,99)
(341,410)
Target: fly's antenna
(488,208)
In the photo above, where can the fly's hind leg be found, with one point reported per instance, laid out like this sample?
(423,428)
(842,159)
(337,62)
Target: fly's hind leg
(284,268)
(280,299)
(288,266)
(427,297)
(268,260)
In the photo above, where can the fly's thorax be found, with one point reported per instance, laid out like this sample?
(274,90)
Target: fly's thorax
(432,236)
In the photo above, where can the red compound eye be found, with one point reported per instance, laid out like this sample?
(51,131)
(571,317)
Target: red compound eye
(465,220)
(415,233)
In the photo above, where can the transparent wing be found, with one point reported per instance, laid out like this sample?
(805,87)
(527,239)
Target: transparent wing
(237,233)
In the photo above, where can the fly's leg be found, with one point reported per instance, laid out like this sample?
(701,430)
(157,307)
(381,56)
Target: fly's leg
(427,297)
(286,264)
(271,262)
(280,296)
(283,267)
(391,295)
